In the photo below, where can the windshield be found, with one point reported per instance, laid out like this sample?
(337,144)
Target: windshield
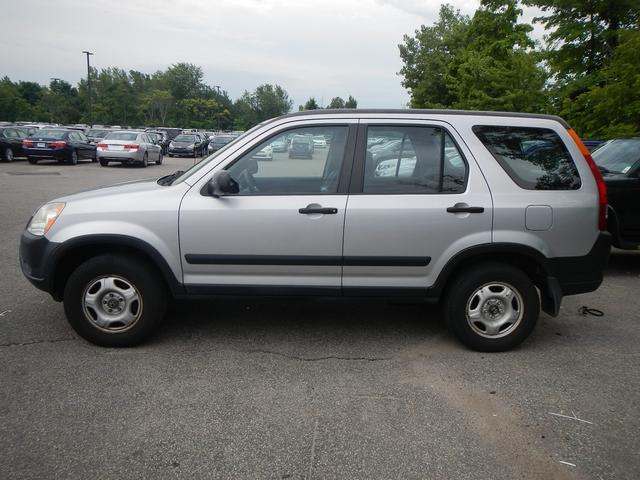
(211,157)
(57,134)
(185,138)
(121,136)
(618,156)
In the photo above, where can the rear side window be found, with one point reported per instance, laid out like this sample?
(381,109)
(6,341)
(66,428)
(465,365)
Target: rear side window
(534,158)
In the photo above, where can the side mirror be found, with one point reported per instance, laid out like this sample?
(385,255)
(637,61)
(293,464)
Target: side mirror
(222,184)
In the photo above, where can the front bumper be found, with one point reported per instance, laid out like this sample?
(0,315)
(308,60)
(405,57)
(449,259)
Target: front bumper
(34,252)
(182,152)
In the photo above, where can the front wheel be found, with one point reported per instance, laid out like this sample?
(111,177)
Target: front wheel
(492,307)
(114,301)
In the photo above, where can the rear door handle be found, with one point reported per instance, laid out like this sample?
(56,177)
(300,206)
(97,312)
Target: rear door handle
(324,211)
(455,209)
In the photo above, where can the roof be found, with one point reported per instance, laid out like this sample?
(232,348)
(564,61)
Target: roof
(417,111)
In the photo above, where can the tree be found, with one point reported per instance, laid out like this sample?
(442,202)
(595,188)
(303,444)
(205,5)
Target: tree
(156,105)
(427,56)
(611,109)
(351,103)
(311,104)
(497,68)
(336,102)
(183,80)
(583,34)
(267,101)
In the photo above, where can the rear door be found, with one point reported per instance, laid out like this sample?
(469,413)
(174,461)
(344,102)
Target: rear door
(408,214)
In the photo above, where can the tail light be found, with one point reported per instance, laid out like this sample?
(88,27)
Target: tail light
(27,143)
(102,145)
(602,187)
(131,147)
(57,144)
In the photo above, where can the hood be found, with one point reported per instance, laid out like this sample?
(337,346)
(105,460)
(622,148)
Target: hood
(135,186)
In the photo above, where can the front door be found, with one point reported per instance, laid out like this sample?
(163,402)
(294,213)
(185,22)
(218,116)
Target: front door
(283,231)
(417,198)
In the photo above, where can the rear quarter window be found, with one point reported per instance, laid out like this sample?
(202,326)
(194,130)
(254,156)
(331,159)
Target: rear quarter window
(534,158)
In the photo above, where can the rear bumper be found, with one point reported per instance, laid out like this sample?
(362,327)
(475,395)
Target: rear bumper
(56,154)
(119,156)
(582,274)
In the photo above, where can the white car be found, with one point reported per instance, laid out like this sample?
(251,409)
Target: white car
(319,142)
(265,153)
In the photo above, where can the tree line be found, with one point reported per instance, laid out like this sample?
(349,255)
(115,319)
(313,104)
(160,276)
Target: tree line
(585,70)
(176,97)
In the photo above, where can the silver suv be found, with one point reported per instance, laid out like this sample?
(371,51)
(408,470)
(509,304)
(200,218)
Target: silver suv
(495,214)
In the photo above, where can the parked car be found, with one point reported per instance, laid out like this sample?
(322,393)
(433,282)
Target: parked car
(592,145)
(496,238)
(171,132)
(131,148)
(162,139)
(280,144)
(59,144)
(219,141)
(186,145)
(619,162)
(27,130)
(11,143)
(319,141)
(301,146)
(95,135)
(264,154)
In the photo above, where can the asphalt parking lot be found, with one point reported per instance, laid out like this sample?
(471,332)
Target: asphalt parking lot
(306,388)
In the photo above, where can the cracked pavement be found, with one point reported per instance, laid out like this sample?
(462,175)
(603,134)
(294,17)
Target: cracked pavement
(308,388)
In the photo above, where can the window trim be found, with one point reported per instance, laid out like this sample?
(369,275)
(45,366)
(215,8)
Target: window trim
(360,160)
(504,165)
(345,171)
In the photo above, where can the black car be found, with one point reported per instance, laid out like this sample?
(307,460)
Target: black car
(619,162)
(11,143)
(171,132)
(186,145)
(162,138)
(58,144)
(219,141)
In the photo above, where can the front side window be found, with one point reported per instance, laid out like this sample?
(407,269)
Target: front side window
(534,158)
(412,160)
(291,163)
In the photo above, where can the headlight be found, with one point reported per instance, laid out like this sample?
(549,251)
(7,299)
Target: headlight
(193,145)
(171,144)
(44,218)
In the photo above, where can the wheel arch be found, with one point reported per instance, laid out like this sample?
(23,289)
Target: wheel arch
(69,255)
(532,262)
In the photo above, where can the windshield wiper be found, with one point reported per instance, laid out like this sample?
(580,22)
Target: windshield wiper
(168,179)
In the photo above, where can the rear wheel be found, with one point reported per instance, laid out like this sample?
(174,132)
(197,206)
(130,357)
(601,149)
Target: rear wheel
(32,160)
(159,161)
(114,301)
(73,160)
(145,160)
(492,307)
(104,163)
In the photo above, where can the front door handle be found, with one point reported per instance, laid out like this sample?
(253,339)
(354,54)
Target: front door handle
(467,209)
(324,211)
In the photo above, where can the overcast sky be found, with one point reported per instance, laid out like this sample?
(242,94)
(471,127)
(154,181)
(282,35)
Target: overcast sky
(321,48)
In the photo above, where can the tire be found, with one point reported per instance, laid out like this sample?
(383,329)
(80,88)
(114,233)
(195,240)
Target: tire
(104,163)
(74,158)
(32,160)
(171,155)
(492,307)
(8,154)
(145,160)
(159,161)
(106,281)
(94,158)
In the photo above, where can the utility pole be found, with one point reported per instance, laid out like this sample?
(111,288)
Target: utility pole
(89,86)
(217,87)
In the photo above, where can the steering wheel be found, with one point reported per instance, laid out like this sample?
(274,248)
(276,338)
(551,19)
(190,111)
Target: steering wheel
(247,182)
